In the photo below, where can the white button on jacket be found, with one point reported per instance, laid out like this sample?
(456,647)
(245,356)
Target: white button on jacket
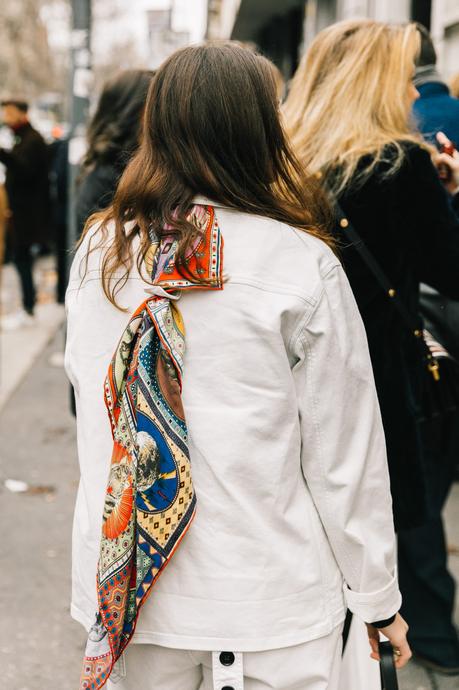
(294,517)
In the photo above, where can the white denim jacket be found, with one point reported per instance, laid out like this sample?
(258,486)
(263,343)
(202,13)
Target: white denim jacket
(294,517)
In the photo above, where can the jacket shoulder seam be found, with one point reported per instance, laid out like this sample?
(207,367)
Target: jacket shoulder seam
(273,288)
(304,320)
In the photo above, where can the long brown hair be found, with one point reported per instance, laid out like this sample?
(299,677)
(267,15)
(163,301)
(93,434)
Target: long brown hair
(211,127)
(113,132)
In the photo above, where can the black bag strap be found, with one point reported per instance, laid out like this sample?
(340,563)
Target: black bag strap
(387,667)
(346,629)
(386,285)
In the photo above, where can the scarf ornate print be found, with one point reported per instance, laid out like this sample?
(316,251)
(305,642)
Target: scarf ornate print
(150,500)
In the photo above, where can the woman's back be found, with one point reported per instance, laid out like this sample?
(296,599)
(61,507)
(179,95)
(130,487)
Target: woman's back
(257,546)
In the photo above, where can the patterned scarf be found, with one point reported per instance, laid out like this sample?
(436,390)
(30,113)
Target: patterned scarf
(150,500)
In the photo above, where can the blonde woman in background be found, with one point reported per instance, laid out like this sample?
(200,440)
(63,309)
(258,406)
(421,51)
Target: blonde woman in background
(348,115)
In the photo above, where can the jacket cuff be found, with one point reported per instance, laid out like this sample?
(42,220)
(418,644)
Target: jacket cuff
(384,624)
(375,606)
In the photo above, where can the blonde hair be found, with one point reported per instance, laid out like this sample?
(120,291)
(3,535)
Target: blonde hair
(348,99)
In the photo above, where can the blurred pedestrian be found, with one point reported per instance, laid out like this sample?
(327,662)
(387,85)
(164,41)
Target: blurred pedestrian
(113,136)
(348,113)
(285,453)
(4,214)
(436,110)
(27,187)
(58,154)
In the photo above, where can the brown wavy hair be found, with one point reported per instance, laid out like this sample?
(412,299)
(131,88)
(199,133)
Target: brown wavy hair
(211,127)
(113,132)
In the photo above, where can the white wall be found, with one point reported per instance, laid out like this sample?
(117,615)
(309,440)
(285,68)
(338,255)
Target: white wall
(222,23)
(320,13)
(121,19)
(228,16)
(191,16)
(445,30)
(381,10)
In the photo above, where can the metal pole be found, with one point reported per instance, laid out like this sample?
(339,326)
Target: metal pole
(80,87)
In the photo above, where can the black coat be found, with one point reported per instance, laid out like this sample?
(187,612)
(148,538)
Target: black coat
(27,186)
(409,224)
(96,191)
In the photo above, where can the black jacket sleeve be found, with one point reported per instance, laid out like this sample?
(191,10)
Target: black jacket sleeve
(436,235)
(95,193)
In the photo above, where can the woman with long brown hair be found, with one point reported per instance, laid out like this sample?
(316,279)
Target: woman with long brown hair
(263,501)
(349,117)
(113,136)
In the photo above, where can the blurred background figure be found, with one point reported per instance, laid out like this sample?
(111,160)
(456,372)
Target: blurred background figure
(349,113)
(59,192)
(113,136)
(4,213)
(436,110)
(28,196)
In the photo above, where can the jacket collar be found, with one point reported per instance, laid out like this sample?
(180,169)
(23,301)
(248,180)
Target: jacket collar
(433,88)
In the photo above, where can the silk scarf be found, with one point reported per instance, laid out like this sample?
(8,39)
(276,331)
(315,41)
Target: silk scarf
(150,500)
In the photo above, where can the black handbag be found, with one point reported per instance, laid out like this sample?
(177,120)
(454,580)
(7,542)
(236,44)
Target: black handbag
(387,667)
(440,384)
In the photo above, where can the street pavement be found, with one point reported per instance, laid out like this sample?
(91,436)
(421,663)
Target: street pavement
(19,348)
(40,646)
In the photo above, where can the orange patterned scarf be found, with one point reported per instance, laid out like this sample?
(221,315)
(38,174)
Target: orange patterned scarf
(150,500)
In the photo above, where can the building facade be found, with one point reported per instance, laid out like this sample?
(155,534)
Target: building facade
(284,30)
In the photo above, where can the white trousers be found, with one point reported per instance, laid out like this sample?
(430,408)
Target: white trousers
(311,666)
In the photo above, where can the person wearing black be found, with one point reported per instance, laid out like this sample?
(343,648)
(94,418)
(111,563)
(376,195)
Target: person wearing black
(437,112)
(27,188)
(348,114)
(113,136)
(59,152)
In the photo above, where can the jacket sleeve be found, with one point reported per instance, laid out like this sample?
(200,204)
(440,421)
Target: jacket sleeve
(436,238)
(343,449)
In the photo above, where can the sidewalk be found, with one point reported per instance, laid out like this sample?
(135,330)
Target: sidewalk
(40,646)
(19,348)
